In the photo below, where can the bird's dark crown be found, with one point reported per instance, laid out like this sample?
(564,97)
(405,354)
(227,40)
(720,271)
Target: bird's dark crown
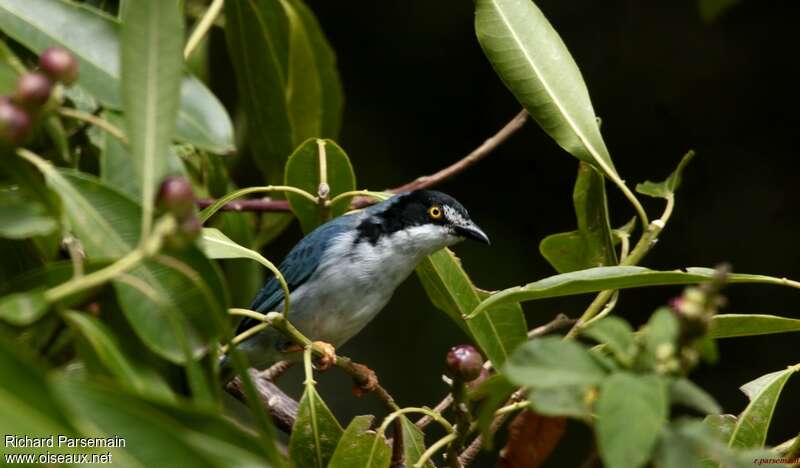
(406,210)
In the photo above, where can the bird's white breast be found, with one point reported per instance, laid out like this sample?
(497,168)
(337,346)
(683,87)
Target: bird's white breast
(354,281)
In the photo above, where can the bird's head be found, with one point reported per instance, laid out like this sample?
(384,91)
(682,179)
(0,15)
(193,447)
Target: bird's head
(426,219)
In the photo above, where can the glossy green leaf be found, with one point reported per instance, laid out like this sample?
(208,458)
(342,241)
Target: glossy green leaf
(23,308)
(157,296)
(625,398)
(287,69)
(552,362)
(733,325)
(27,406)
(107,350)
(721,426)
(152,62)
(315,433)
(116,163)
(244,276)
(684,392)
(217,245)
(451,290)
(303,171)
(617,334)
(39,24)
(752,425)
(23,219)
(173,303)
(668,187)
(154,435)
(535,65)
(592,244)
(361,447)
(701,439)
(413,443)
(617,277)
(574,401)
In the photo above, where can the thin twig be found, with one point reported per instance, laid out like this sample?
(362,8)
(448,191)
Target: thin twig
(561,321)
(274,372)
(262,205)
(202,27)
(443,405)
(94,120)
(467,161)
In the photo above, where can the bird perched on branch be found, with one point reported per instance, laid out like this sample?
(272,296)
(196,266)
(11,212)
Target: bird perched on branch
(345,271)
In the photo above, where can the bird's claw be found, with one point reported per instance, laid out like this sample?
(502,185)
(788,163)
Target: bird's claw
(328,358)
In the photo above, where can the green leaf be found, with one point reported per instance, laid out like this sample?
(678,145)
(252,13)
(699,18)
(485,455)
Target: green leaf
(361,447)
(413,443)
(303,171)
(752,425)
(23,219)
(39,24)
(451,290)
(552,362)
(287,71)
(668,187)
(617,335)
(535,65)
(27,406)
(23,308)
(574,401)
(116,164)
(155,434)
(721,426)
(173,305)
(625,398)
(108,352)
(733,325)
(173,290)
(492,393)
(244,276)
(660,339)
(314,92)
(592,244)
(217,245)
(152,42)
(315,433)
(684,392)
(617,277)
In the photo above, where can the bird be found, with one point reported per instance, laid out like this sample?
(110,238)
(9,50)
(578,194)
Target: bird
(343,273)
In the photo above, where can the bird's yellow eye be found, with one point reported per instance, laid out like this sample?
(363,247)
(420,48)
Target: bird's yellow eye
(435,212)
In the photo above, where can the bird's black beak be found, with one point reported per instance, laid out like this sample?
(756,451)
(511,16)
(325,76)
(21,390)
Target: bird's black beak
(472,231)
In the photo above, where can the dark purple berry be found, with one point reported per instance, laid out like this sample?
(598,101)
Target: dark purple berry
(15,123)
(33,90)
(464,362)
(59,64)
(176,196)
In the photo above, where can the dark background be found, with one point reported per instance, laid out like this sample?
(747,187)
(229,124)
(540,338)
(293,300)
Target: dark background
(420,94)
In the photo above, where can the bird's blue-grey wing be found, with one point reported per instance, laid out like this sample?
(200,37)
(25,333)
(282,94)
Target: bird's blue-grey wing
(298,266)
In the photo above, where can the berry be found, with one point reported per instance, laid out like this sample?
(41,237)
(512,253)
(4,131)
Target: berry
(59,64)
(464,362)
(185,234)
(176,196)
(15,123)
(33,89)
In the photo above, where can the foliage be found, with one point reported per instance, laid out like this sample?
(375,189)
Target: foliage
(117,308)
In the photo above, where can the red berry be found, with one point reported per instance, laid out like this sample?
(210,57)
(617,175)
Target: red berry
(15,123)
(176,196)
(464,362)
(59,64)
(33,89)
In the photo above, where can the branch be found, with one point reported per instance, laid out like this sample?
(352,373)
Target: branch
(486,148)
(281,406)
(468,455)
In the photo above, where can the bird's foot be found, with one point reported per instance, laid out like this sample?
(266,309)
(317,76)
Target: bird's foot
(366,382)
(328,358)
